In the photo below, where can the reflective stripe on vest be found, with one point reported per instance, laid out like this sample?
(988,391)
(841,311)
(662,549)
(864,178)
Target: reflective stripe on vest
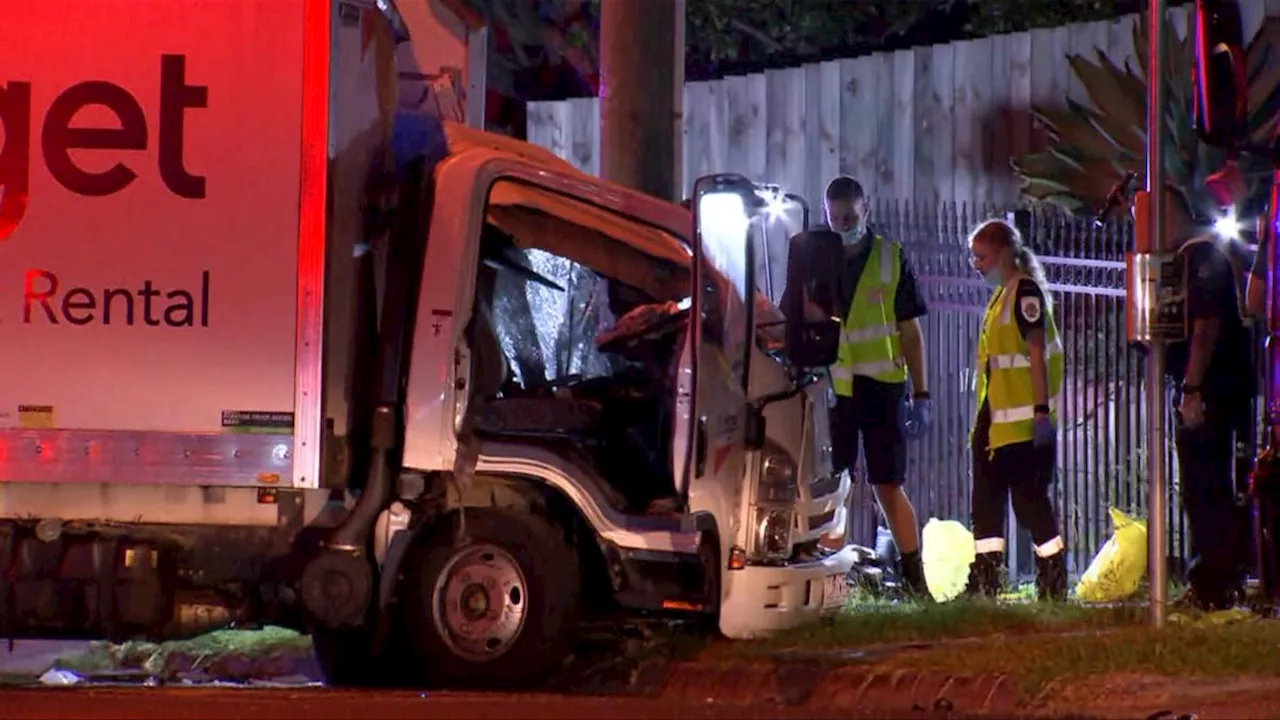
(1006,358)
(869,343)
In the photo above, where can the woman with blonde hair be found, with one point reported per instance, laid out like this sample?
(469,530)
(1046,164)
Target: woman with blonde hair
(1014,436)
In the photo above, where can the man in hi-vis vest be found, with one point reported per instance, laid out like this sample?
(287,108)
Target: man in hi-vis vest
(880,347)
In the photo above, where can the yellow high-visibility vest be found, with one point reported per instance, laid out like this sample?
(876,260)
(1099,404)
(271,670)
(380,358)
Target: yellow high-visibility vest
(1006,359)
(869,342)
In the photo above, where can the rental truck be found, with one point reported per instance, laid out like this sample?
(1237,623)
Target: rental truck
(288,343)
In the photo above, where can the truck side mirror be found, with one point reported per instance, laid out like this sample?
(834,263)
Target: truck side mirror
(814,260)
(1221,101)
(816,343)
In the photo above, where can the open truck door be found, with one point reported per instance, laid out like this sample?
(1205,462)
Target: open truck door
(712,393)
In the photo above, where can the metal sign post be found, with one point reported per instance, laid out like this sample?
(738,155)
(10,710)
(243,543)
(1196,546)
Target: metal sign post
(1156,471)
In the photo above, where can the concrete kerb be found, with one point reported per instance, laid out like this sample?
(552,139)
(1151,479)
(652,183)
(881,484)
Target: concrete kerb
(836,688)
(830,689)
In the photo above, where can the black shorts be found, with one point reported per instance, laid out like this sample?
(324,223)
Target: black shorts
(872,419)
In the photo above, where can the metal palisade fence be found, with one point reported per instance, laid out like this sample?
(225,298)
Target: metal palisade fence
(1101,443)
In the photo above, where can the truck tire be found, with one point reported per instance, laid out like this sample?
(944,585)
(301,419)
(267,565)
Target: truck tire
(709,554)
(501,608)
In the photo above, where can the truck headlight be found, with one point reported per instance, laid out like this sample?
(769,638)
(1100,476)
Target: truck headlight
(775,499)
(773,533)
(777,482)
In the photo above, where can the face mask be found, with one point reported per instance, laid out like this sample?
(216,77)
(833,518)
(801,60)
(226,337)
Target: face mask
(854,234)
(992,277)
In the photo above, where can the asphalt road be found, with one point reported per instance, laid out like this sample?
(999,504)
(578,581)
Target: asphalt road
(320,704)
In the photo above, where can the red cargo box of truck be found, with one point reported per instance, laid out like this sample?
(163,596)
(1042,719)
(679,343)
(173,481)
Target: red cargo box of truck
(162,222)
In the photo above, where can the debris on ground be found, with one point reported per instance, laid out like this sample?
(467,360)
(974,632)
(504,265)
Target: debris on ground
(60,678)
(1117,570)
(947,552)
(235,655)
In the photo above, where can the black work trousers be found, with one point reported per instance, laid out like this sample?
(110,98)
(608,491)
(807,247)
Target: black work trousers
(1206,457)
(1020,473)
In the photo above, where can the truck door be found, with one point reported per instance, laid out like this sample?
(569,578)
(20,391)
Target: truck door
(712,392)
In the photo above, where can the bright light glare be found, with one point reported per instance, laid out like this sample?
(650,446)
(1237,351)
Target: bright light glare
(723,215)
(775,205)
(1228,226)
(723,223)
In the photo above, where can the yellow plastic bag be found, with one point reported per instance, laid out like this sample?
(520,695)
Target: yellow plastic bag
(1118,567)
(947,552)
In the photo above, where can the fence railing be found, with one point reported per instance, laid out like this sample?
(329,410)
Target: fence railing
(1101,444)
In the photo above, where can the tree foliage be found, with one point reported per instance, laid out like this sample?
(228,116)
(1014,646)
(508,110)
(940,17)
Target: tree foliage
(1092,145)
(992,17)
(771,31)
(544,47)
(554,37)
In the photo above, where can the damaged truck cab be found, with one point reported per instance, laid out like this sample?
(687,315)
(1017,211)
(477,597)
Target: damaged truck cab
(445,391)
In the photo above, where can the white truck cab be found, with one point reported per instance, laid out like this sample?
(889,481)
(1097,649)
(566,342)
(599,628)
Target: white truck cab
(432,387)
(617,246)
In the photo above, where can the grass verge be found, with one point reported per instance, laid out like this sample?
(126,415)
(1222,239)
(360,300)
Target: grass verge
(1038,644)
(1193,649)
(869,622)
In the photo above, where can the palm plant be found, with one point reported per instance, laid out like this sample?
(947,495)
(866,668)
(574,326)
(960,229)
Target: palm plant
(1092,146)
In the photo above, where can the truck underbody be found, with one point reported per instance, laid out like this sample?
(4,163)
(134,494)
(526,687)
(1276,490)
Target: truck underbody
(129,580)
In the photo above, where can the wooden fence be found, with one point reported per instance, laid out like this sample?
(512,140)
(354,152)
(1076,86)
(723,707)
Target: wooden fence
(930,124)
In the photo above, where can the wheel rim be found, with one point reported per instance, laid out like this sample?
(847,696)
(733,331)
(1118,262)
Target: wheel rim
(478,603)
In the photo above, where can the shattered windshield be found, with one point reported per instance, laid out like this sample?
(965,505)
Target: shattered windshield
(552,321)
(564,280)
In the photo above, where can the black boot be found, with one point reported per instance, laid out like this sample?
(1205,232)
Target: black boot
(911,576)
(986,575)
(1051,577)
(1213,589)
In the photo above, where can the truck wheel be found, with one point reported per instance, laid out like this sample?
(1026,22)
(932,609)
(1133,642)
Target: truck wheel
(500,609)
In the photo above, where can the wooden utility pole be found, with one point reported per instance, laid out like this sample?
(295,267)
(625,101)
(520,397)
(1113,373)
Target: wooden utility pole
(642,95)
(1157,499)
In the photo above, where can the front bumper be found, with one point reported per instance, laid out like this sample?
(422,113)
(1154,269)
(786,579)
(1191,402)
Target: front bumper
(764,599)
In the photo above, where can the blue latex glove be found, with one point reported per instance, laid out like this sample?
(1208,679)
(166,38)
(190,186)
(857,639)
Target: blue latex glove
(917,417)
(1043,432)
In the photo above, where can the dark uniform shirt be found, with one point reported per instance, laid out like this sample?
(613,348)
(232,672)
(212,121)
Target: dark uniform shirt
(1213,291)
(1029,312)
